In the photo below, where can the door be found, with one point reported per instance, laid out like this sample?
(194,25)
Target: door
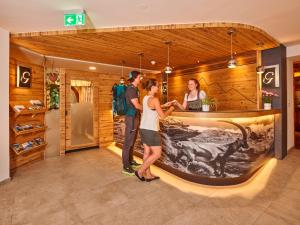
(81,114)
(296,73)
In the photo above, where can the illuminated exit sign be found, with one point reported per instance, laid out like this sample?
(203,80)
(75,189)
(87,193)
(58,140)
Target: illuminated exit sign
(74,19)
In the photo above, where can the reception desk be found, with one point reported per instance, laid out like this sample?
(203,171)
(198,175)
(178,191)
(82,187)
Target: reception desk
(214,148)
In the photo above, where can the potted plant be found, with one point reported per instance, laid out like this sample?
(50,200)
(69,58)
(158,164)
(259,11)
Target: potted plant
(206,103)
(267,99)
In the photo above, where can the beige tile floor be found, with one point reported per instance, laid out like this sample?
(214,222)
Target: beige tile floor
(88,188)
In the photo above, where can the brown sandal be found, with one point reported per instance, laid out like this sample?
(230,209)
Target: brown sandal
(137,175)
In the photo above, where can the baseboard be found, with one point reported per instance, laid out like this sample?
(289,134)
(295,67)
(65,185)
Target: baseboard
(291,148)
(105,144)
(5,181)
(80,149)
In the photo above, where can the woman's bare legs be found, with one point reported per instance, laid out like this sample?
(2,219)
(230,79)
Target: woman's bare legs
(147,152)
(156,153)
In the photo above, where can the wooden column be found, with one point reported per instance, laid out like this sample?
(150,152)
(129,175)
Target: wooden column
(277,56)
(62,109)
(259,95)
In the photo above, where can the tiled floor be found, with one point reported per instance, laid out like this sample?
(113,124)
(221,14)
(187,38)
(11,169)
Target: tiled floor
(88,188)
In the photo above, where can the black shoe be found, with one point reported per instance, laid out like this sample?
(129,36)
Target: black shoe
(128,171)
(151,179)
(137,175)
(134,163)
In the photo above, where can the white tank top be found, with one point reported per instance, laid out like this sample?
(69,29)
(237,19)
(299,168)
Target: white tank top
(150,119)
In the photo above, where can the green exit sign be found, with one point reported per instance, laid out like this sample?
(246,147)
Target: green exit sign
(74,19)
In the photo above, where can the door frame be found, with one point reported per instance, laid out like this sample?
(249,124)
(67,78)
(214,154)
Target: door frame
(65,116)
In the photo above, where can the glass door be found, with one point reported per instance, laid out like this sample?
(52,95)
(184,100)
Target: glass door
(80,110)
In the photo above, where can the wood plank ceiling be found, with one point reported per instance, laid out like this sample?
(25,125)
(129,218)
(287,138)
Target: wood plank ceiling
(191,43)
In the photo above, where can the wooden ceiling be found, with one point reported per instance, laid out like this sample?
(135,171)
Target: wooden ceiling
(204,42)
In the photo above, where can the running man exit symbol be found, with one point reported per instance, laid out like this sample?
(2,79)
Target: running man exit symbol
(80,19)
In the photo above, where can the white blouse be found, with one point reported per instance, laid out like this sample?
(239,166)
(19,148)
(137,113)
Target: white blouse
(202,95)
(150,119)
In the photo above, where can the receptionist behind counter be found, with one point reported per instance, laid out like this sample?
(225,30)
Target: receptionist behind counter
(192,99)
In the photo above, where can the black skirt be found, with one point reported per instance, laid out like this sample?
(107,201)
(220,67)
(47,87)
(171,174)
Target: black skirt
(150,137)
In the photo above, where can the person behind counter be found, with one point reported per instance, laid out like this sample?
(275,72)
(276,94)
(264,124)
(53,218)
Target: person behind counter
(192,99)
(149,129)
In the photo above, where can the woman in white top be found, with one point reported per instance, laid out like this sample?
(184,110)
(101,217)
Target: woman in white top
(192,99)
(149,129)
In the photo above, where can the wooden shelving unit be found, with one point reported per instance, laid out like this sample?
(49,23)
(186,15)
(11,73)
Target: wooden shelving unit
(29,112)
(35,118)
(29,150)
(33,130)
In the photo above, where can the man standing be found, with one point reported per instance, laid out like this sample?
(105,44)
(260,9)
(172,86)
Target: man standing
(132,120)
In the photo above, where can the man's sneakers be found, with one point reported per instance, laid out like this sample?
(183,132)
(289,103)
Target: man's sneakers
(128,171)
(135,165)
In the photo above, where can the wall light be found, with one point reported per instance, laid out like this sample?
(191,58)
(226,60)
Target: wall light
(260,69)
(153,62)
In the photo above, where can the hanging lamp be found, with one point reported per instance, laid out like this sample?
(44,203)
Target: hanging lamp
(122,79)
(232,62)
(168,68)
(141,55)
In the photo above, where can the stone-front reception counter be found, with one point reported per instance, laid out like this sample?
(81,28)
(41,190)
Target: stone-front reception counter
(215,148)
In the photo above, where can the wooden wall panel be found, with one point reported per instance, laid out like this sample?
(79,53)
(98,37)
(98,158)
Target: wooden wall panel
(105,106)
(22,96)
(233,89)
(25,94)
(62,110)
(103,116)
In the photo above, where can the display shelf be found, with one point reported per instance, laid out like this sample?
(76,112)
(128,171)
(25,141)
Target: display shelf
(28,150)
(29,112)
(28,131)
(35,118)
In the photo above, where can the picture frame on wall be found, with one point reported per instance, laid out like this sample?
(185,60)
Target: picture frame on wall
(24,76)
(270,77)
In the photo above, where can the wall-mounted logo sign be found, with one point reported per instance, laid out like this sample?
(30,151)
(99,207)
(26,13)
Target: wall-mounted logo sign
(270,78)
(24,76)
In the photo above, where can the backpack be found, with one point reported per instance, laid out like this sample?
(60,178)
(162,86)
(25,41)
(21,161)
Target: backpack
(119,99)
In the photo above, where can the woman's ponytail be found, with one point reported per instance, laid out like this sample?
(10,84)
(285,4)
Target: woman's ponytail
(149,84)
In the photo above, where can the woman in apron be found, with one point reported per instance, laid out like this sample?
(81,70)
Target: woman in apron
(193,99)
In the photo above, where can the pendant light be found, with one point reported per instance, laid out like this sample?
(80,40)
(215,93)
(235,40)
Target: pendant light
(122,79)
(168,68)
(232,62)
(141,55)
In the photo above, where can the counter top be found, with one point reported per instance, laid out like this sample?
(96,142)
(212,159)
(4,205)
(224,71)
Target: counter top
(226,114)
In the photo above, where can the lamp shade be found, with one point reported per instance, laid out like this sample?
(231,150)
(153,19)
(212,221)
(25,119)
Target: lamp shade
(231,63)
(168,69)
